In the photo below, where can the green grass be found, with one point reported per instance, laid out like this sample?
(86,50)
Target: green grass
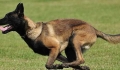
(104,15)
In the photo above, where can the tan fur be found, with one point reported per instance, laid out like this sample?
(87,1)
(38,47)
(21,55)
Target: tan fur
(110,38)
(56,35)
(51,30)
(33,30)
(30,23)
(63,46)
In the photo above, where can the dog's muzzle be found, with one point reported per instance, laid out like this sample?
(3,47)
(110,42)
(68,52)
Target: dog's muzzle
(6,29)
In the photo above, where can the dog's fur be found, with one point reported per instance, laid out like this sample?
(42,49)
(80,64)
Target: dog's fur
(51,38)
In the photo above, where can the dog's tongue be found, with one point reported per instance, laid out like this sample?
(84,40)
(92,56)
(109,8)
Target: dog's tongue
(3,28)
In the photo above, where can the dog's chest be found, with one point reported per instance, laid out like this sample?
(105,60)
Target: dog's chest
(40,48)
(34,33)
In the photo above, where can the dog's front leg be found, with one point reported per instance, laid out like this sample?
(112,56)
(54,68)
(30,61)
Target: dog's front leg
(51,59)
(54,46)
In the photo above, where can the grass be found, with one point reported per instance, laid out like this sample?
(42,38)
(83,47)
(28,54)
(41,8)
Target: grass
(102,14)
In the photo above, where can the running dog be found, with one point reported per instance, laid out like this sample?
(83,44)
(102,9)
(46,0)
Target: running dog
(51,38)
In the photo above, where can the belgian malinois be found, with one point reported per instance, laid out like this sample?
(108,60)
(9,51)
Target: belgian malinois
(51,38)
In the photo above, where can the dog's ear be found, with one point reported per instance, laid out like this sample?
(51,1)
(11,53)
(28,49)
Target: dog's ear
(20,9)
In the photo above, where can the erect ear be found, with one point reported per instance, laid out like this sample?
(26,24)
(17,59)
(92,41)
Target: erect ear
(19,9)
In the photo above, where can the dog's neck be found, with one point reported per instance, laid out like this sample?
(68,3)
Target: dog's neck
(32,30)
(30,24)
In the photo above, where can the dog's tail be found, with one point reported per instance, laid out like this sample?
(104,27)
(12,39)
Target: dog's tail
(110,38)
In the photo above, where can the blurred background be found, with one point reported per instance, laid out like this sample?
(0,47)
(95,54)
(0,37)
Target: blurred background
(104,15)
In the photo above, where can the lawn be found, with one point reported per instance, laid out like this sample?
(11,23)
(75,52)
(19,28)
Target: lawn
(104,15)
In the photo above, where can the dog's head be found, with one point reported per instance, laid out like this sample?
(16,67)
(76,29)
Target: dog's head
(13,20)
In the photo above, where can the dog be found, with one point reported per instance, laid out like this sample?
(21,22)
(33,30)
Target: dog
(51,38)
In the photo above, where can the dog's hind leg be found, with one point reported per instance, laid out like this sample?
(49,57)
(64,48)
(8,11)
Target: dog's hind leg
(70,53)
(71,56)
(77,42)
(79,58)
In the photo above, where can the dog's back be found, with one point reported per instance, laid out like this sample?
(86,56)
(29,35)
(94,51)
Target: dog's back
(67,27)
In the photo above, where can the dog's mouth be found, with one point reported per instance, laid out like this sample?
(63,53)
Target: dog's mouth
(5,29)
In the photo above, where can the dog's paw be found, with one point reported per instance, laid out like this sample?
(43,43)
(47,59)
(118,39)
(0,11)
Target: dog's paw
(84,68)
(58,66)
(49,66)
(81,68)
(65,65)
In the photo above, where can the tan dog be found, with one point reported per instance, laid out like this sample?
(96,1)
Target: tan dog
(51,38)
